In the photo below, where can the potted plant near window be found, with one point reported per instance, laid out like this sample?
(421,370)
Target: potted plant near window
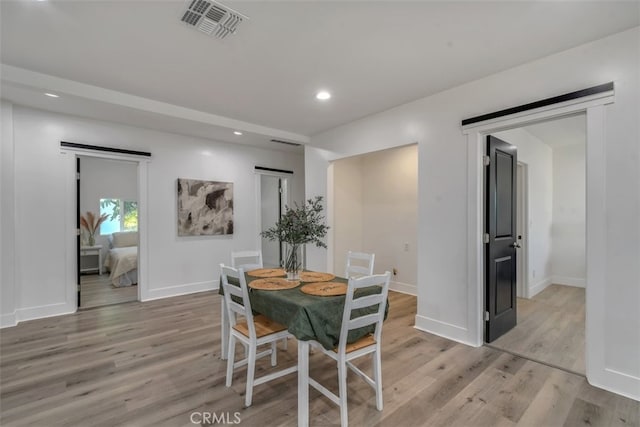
(297,227)
(91,224)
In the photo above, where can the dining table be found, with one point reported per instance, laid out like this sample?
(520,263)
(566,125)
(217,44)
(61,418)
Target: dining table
(307,317)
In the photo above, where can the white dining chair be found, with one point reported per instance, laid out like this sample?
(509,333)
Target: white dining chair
(369,344)
(359,264)
(247,260)
(254,331)
(250,260)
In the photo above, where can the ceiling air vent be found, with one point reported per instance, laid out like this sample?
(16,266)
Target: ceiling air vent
(295,144)
(211,18)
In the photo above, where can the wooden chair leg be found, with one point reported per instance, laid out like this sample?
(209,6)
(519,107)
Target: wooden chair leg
(251,368)
(230,359)
(377,377)
(284,343)
(342,393)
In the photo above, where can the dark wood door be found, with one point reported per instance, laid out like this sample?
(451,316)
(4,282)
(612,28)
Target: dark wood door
(500,253)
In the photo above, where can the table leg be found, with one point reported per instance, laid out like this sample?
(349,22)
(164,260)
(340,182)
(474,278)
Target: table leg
(224,330)
(303,383)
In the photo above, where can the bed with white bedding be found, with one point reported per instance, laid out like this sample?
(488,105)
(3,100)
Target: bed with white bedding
(122,259)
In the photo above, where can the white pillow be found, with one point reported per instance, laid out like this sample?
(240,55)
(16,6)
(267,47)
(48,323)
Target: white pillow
(124,239)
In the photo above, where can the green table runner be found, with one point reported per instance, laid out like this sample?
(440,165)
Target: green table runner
(309,317)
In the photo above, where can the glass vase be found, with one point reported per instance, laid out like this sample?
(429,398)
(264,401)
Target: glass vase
(292,260)
(91,240)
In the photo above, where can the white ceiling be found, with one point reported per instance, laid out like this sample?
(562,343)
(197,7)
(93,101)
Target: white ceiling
(561,132)
(371,55)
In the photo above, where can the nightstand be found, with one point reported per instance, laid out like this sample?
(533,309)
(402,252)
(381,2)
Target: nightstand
(88,252)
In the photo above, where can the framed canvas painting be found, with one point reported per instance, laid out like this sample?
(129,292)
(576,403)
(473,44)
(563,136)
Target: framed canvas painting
(205,208)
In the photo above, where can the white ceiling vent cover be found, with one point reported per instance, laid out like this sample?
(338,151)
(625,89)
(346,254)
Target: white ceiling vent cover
(212,18)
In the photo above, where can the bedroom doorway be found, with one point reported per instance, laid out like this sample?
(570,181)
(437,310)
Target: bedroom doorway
(107,202)
(551,222)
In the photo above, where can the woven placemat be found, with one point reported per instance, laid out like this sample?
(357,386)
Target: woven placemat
(314,276)
(273,284)
(325,289)
(267,272)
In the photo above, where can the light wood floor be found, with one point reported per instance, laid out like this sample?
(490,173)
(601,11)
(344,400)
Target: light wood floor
(96,290)
(550,328)
(154,363)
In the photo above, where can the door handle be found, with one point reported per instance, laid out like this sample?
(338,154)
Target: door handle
(515,245)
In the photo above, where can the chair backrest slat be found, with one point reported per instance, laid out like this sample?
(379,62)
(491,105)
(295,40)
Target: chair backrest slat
(373,316)
(355,270)
(241,292)
(359,264)
(367,301)
(362,321)
(365,282)
(234,290)
(237,308)
(247,260)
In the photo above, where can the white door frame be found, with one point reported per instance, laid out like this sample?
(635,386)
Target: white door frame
(70,155)
(594,106)
(523,219)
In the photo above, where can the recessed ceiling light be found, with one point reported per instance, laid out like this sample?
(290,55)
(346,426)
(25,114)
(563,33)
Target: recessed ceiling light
(323,95)
(52,95)
(237,132)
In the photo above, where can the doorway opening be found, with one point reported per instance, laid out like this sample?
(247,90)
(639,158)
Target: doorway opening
(108,242)
(273,198)
(372,207)
(593,103)
(549,243)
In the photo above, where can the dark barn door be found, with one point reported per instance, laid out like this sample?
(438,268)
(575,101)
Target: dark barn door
(500,254)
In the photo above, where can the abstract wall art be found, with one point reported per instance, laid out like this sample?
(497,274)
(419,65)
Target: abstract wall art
(205,208)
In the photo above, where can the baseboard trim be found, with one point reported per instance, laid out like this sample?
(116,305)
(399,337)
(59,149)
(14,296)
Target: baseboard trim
(183,289)
(577,282)
(617,382)
(539,287)
(404,288)
(8,320)
(443,329)
(43,311)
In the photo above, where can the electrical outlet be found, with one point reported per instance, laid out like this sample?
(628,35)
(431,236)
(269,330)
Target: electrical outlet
(406,247)
(395,271)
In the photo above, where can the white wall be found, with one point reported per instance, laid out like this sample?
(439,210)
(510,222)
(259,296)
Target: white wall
(317,180)
(538,156)
(446,302)
(568,255)
(106,179)
(347,210)
(375,210)
(390,213)
(7,218)
(44,183)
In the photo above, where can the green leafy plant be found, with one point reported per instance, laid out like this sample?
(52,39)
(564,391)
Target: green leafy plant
(298,226)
